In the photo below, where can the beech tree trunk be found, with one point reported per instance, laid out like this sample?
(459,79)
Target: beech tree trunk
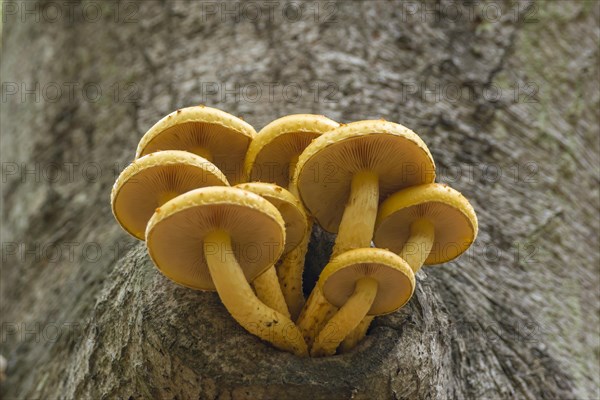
(506,96)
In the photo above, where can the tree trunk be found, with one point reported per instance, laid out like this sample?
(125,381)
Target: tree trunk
(505,95)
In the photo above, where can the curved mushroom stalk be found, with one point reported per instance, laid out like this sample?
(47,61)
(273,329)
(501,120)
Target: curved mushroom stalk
(419,244)
(357,334)
(373,159)
(424,224)
(289,271)
(356,231)
(362,282)
(346,319)
(198,241)
(267,285)
(239,299)
(314,315)
(358,221)
(291,267)
(269,291)
(272,157)
(414,252)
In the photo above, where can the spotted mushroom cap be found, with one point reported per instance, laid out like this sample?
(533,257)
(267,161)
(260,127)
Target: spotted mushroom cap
(204,131)
(176,232)
(296,220)
(395,279)
(325,169)
(452,215)
(155,178)
(277,144)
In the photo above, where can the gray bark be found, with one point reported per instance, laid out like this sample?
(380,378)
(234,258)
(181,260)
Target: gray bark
(86,315)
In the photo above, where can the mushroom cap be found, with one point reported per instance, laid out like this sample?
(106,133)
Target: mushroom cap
(395,279)
(275,145)
(452,215)
(138,190)
(294,217)
(325,169)
(176,232)
(226,137)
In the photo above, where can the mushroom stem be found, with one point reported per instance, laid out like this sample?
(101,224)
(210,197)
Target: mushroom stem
(291,268)
(419,244)
(241,302)
(290,272)
(415,252)
(202,152)
(269,292)
(356,335)
(314,315)
(358,221)
(346,319)
(355,231)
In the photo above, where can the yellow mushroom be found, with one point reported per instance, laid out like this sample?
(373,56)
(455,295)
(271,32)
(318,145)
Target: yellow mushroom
(221,238)
(341,177)
(272,157)
(221,138)
(361,282)
(152,180)
(425,224)
(267,285)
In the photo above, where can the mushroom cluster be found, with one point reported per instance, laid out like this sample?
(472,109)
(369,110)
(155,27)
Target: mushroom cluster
(223,208)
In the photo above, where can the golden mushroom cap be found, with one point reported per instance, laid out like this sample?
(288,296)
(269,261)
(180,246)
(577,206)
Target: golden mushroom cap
(225,136)
(176,232)
(452,215)
(140,187)
(296,220)
(283,139)
(326,167)
(395,279)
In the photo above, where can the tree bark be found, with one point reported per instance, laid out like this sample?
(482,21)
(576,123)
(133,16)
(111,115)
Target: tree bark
(505,95)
